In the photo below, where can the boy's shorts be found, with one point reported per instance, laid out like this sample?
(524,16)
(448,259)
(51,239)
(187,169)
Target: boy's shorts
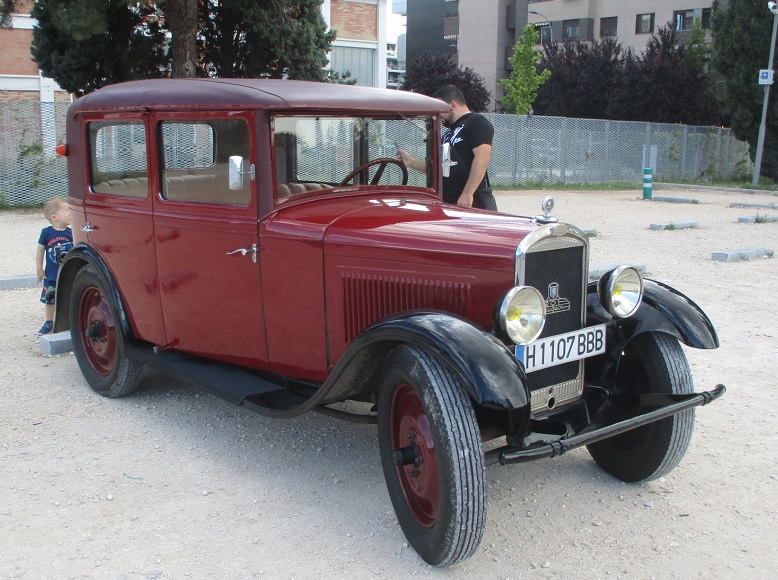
(47,294)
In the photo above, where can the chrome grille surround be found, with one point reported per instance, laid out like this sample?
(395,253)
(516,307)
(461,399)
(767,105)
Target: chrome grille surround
(550,238)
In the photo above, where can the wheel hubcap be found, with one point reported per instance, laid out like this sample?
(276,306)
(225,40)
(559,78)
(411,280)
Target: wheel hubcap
(97,324)
(415,456)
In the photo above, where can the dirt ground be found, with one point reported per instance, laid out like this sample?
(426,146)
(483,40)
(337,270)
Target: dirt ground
(174,483)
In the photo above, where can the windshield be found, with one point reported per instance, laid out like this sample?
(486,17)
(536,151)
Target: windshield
(317,153)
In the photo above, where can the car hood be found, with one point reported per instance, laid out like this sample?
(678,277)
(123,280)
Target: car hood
(427,229)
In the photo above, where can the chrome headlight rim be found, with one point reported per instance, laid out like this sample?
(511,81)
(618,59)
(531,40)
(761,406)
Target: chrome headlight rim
(621,291)
(534,315)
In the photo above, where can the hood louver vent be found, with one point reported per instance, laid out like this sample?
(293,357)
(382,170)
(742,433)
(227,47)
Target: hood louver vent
(371,297)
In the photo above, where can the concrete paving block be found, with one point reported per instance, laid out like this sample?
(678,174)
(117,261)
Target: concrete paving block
(596,272)
(743,254)
(676,199)
(58,343)
(675,226)
(754,205)
(13,282)
(760,219)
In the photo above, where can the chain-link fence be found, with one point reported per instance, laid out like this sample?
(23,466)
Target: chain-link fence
(539,150)
(527,150)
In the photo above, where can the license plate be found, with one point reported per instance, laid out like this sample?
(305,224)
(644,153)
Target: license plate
(562,348)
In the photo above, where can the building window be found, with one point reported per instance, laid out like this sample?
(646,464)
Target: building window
(644,24)
(706,18)
(608,27)
(510,17)
(572,29)
(683,20)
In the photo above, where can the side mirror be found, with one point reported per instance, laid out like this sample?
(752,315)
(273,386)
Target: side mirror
(236,172)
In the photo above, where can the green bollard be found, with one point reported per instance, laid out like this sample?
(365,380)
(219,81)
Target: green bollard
(648,182)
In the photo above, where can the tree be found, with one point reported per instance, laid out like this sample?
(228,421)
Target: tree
(427,73)
(85,45)
(521,87)
(250,38)
(742,33)
(583,78)
(181,20)
(668,83)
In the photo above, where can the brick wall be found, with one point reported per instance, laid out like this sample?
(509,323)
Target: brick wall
(354,20)
(15,56)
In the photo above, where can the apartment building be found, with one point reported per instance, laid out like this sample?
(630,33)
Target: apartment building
(482,34)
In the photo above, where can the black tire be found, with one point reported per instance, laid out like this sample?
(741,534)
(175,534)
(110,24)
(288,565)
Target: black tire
(98,340)
(651,363)
(440,501)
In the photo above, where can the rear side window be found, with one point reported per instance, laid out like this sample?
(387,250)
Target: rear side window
(118,158)
(195,160)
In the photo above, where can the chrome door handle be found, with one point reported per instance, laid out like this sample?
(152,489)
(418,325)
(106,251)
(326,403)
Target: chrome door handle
(243,251)
(87,227)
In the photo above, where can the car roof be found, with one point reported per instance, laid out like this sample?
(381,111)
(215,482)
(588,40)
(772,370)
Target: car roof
(177,94)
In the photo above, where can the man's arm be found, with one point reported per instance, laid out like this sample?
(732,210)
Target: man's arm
(482,154)
(410,162)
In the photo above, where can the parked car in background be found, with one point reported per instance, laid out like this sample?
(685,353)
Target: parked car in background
(260,238)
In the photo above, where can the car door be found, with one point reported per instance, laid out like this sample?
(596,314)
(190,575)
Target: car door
(206,238)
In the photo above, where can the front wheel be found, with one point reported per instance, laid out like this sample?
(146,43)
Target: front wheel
(651,363)
(431,456)
(98,341)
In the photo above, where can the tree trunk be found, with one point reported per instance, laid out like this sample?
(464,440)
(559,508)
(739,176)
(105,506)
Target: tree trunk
(181,17)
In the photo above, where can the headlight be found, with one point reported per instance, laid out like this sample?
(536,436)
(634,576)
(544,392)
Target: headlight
(521,314)
(620,291)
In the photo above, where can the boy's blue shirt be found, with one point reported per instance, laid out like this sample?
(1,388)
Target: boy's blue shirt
(50,238)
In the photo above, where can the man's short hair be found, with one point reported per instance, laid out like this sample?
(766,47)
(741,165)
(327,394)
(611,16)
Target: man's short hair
(450,93)
(52,206)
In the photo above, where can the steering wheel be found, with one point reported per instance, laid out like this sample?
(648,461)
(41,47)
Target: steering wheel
(383,162)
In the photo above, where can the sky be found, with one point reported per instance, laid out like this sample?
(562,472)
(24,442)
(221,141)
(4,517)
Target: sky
(394,26)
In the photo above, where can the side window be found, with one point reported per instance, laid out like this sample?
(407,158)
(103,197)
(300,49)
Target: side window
(117,158)
(195,160)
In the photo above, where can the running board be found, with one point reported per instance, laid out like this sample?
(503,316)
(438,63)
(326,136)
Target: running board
(228,382)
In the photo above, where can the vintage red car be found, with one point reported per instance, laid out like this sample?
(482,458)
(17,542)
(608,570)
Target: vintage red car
(260,238)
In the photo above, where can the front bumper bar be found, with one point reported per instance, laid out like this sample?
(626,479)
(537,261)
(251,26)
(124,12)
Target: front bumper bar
(562,446)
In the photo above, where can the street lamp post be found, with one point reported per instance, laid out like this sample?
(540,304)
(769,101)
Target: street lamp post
(772,7)
(548,23)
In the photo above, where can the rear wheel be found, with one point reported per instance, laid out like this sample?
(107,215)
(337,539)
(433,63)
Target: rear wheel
(98,341)
(432,457)
(651,363)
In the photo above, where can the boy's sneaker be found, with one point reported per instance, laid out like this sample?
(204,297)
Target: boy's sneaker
(47,327)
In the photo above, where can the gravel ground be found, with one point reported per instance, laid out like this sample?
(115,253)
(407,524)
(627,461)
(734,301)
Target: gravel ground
(174,483)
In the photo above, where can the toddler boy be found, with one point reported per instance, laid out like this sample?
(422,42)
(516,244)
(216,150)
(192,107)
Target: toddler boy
(53,240)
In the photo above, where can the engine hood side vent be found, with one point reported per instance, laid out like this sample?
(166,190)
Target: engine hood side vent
(369,297)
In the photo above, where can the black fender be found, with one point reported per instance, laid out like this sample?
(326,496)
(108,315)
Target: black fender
(487,369)
(663,309)
(74,260)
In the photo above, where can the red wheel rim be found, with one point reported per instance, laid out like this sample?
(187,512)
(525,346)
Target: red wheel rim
(98,330)
(420,481)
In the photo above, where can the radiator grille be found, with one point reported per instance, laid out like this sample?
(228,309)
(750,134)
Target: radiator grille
(557,266)
(368,298)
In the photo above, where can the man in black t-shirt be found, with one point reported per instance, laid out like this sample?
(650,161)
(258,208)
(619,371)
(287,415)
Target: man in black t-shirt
(469,136)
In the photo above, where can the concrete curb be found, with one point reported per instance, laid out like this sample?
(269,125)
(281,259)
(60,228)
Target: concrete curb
(715,188)
(675,199)
(59,343)
(744,254)
(14,282)
(674,226)
(596,272)
(762,219)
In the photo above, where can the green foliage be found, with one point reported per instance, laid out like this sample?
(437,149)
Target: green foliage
(427,73)
(251,38)
(87,44)
(84,45)
(742,32)
(521,87)
(667,83)
(336,78)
